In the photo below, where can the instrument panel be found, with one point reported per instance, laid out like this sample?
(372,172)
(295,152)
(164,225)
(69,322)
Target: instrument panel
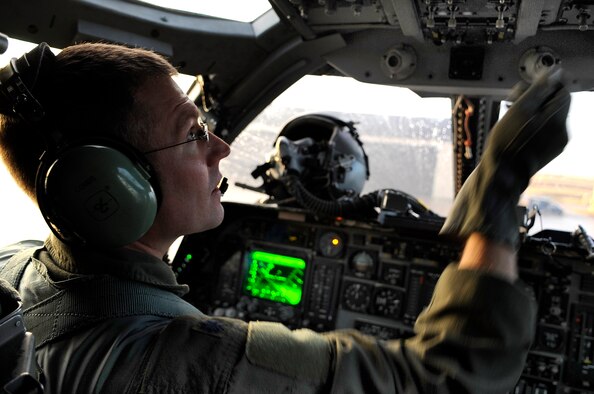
(283,265)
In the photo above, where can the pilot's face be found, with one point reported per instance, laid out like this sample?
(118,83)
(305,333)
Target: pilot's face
(188,173)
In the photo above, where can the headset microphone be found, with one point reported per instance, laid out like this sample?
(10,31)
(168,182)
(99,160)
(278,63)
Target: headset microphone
(223,185)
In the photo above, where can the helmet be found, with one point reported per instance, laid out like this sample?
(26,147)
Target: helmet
(323,152)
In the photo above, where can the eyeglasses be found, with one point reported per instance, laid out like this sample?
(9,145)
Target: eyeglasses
(202,134)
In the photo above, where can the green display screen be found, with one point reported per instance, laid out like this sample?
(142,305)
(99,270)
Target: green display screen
(274,277)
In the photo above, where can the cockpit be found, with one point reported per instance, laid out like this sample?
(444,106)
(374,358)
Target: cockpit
(324,102)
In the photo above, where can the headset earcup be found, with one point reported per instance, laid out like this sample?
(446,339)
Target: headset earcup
(98,195)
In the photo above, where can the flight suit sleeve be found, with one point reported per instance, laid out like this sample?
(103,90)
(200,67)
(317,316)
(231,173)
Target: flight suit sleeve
(473,338)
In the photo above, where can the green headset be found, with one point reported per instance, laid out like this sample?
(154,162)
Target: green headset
(95,191)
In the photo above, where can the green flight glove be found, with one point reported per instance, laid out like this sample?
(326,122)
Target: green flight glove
(531,134)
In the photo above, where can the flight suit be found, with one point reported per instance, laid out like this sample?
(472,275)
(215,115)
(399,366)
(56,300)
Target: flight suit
(115,322)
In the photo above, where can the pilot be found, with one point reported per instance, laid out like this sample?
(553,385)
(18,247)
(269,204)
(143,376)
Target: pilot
(99,132)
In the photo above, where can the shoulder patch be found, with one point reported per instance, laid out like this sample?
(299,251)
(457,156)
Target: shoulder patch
(301,354)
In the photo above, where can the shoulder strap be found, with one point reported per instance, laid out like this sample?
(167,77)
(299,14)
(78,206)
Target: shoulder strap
(87,301)
(14,268)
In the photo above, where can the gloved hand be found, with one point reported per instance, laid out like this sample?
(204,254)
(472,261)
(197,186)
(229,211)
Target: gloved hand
(530,135)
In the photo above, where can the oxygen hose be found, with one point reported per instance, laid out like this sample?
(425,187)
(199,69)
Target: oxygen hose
(359,206)
(342,207)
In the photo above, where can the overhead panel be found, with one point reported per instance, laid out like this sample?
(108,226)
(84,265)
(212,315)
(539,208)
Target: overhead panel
(460,22)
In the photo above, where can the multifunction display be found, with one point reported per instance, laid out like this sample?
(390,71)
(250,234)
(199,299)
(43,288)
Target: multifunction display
(274,277)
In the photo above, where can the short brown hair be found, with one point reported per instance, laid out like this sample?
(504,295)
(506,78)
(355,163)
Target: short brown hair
(90,91)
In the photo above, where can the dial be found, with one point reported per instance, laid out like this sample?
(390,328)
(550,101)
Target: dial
(393,274)
(363,264)
(388,302)
(356,297)
(331,244)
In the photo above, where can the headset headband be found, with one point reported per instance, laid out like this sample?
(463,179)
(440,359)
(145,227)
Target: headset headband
(19,78)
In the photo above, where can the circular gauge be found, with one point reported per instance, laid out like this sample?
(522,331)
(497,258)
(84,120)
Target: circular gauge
(363,264)
(331,244)
(393,274)
(551,339)
(356,297)
(388,302)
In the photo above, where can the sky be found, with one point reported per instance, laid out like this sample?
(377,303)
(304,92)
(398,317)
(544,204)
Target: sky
(349,95)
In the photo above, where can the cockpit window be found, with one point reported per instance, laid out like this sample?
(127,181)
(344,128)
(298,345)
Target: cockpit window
(407,138)
(563,191)
(237,10)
